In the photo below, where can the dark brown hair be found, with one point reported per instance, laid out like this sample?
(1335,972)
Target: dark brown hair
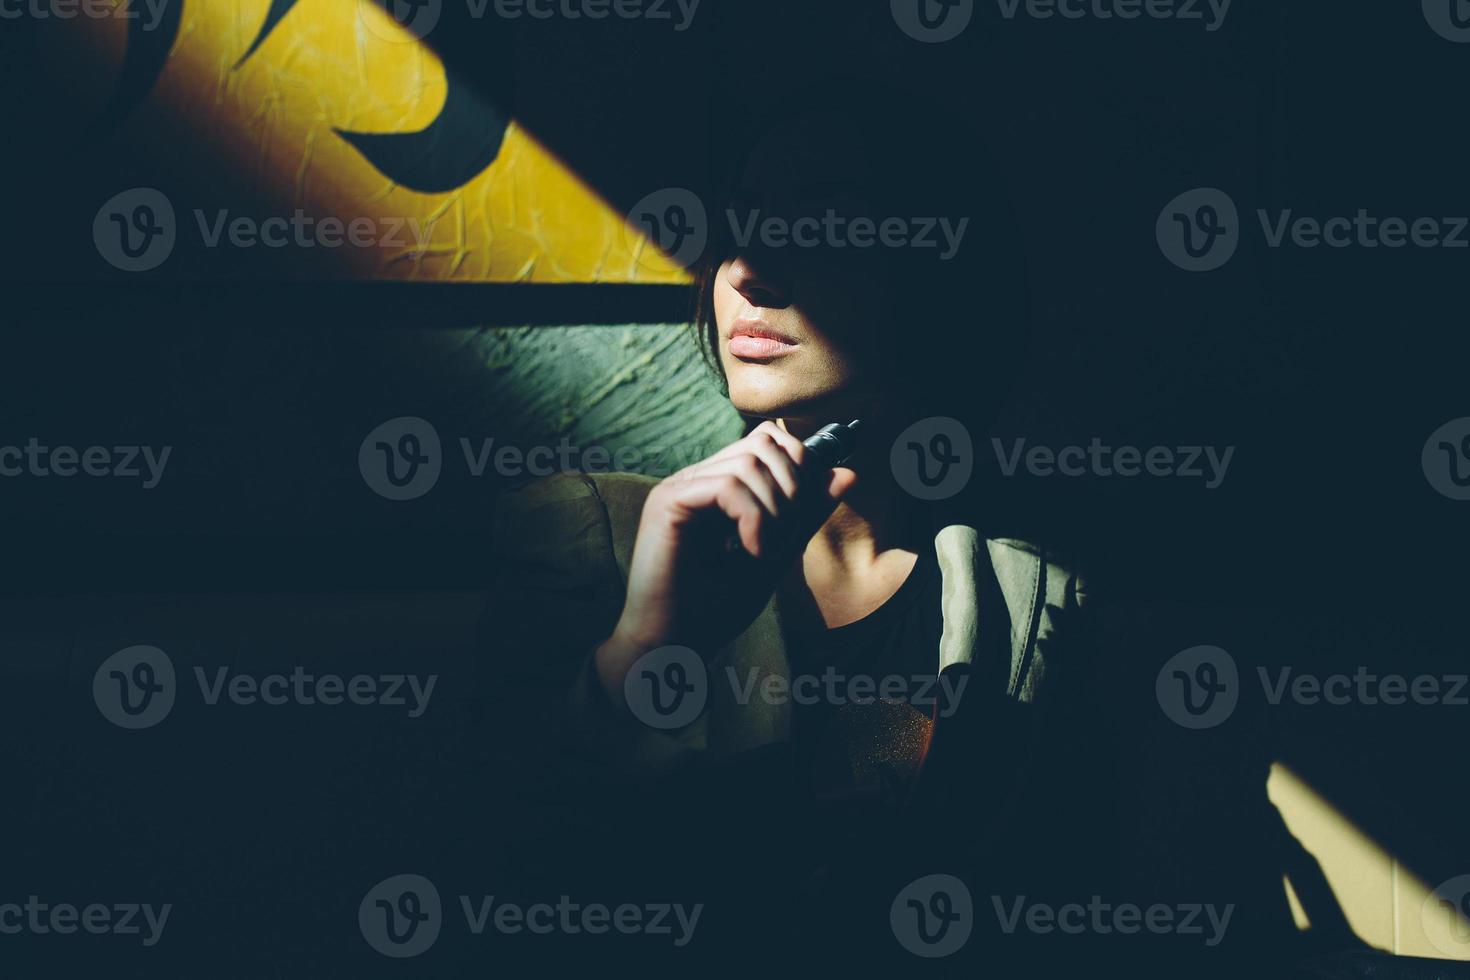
(933,163)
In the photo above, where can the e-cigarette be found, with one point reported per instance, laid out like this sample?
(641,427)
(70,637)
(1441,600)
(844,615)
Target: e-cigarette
(832,445)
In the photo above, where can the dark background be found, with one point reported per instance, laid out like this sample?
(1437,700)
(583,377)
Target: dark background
(1325,548)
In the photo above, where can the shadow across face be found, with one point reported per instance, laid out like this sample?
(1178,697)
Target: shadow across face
(866,264)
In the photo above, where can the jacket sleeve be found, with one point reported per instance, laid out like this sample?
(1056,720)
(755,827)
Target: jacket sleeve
(557,590)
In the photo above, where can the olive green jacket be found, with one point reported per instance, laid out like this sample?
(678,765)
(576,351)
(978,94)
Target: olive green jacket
(562,549)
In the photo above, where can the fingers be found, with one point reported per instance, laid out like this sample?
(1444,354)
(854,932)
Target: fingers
(753,472)
(768,460)
(793,446)
(755,483)
(733,497)
(815,510)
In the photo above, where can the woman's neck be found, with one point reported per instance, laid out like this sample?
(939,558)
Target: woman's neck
(868,546)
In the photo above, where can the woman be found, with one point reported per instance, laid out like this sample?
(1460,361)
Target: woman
(776,595)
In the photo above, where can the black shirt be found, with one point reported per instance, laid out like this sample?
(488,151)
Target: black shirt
(863,695)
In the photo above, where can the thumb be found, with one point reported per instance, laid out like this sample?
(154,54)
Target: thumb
(839,482)
(814,510)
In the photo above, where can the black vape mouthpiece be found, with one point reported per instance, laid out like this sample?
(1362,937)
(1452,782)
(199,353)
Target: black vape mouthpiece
(833,444)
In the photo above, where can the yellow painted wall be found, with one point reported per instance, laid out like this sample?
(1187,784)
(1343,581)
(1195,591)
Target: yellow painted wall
(267,129)
(1386,905)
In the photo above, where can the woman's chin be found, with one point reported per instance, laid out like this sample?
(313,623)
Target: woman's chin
(788,405)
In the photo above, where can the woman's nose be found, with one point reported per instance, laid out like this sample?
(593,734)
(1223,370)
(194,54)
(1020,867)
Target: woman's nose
(759,282)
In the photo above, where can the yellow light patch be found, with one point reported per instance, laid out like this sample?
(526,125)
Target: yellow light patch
(268,130)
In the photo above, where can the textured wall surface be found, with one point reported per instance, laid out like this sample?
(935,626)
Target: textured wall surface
(266,124)
(641,392)
(265,425)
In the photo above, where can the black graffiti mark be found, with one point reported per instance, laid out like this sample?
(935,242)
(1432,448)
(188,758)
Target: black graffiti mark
(451,151)
(458,145)
(278,10)
(147,53)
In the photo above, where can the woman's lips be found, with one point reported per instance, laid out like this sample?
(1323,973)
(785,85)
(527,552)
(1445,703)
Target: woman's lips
(755,342)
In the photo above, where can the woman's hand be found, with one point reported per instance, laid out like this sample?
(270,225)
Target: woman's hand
(689,584)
